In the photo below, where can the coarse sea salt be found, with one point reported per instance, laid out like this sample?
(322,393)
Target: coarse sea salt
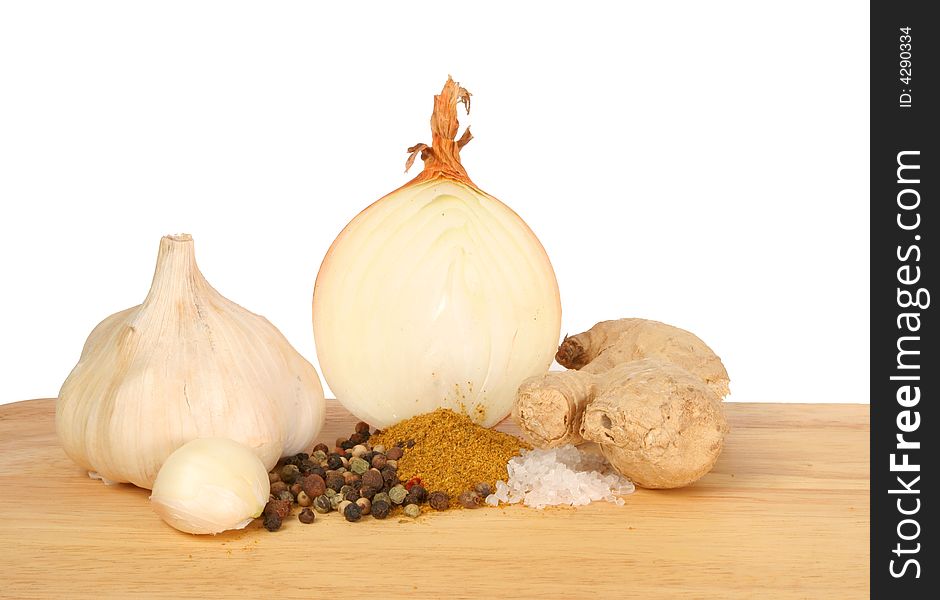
(559,476)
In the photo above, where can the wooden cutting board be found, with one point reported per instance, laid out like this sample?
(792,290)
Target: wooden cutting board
(785,514)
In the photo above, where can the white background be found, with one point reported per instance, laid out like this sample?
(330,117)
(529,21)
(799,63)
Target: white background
(697,163)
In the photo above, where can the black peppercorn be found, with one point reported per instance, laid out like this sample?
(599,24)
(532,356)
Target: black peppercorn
(367,491)
(394,453)
(347,445)
(380,509)
(390,476)
(272,522)
(352,512)
(357,438)
(410,444)
(335,481)
(439,501)
(306,466)
(351,495)
(333,461)
(306,516)
(318,470)
(419,492)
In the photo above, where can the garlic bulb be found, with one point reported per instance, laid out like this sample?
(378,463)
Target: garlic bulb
(186,364)
(210,485)
(437,295)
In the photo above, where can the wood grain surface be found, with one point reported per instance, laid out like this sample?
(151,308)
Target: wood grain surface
(785,514)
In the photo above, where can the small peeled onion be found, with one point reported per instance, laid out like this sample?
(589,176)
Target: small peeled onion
(210,485)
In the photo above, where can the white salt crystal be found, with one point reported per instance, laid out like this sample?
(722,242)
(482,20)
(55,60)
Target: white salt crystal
(559,476)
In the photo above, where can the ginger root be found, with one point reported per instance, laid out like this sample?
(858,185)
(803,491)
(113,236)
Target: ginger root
(656,423)
(612,343)
(649,393)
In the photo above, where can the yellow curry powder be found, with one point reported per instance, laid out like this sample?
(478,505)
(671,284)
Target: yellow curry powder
(451,453)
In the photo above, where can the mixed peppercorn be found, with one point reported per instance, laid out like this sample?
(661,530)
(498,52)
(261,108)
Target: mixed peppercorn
(355,479)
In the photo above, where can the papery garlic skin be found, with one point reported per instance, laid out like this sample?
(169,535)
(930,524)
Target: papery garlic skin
(210,485)
(437,295)
(187,363)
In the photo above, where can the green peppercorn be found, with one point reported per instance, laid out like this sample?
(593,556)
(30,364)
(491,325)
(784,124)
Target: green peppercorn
(306,516)
(394,453)
(412,510)
(352,512)
(358,466)
(397,494)
(335,501)
(289,474)
(345,489)
(470,499)
(322,504)
(439,501)
(329,493)
(285,495)
(318,456)
(381,497)
(380,509)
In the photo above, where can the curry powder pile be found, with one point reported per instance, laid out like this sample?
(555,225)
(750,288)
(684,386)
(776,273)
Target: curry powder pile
(450,453)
